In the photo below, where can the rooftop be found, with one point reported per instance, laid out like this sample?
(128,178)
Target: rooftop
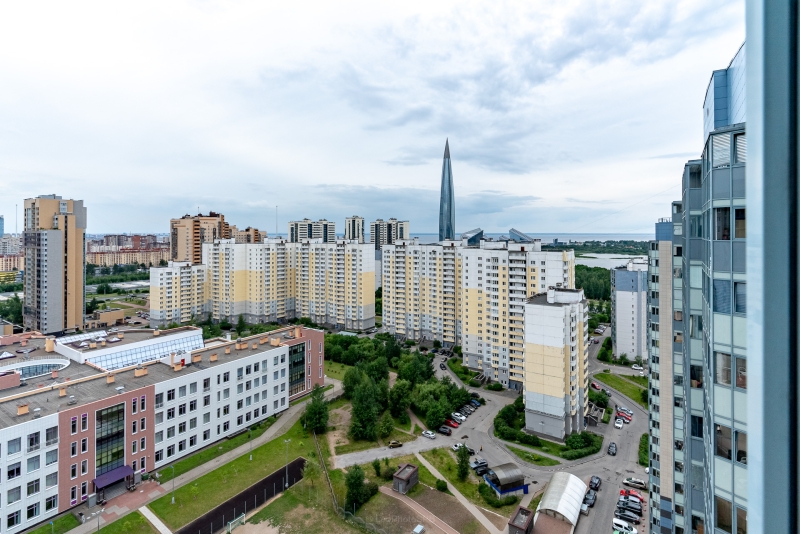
(405,471)
(557,296)
(521,518)
(86,382)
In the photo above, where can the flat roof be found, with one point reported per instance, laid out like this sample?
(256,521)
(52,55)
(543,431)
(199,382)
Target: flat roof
(87,383)
(405,471)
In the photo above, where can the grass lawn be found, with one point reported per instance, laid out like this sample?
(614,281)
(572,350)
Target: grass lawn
(355,446)
(639,380)
(644,450)
(304,508)
(133,522)
(406,426)
(60,525)
(626,387)
(425,476)
(444,462)
(336,370)
(228,480)
(533,458)
(208,454)
(607,415)
(462,372)
(535,502)
(402,437)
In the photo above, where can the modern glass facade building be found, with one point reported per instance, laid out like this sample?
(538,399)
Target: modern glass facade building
(447,207)
(697,329)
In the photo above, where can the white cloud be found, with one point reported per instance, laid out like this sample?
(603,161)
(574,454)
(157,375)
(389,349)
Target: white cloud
(151,110)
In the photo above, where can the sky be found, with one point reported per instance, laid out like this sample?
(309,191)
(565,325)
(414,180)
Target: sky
(567,117)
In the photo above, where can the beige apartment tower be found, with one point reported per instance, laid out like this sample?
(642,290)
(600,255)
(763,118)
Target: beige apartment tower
(308,229)
(387,232)
(556,362)
(354,228)
(188,234)
(54,244)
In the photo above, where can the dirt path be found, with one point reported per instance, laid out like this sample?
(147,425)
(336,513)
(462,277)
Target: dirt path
(340,419)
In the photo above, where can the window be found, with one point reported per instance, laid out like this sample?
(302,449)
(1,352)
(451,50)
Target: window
(33,487)
(133,405)
(51,436)
(740,223)
(182,445)
(724,514)
(142,404)
(84,467)
(14,446)
(741,373)
(33,511)
(226,393)
(741,515)
(723,441)
(225,426)
(170,451)
(182,428)
(722,373)
(207,400)
(73,494)
(14,495)
(14,470)
(697,427)
(696,326)
(159,436)
(84,445)
(73,471)
(141,423)
(33,464)
(722,219)
(159,455)
(171,432)
(182,391)
(159,418)
(192,405)
(240,388)
(159,400)
(721,156)
(206,418)
(51,503)
(226,377)
(142,443)
(182,409)
(678,316)
(51,480)
(741,447)
(740,148)
(84,422)
(193,441)
(722,296)
(144,462)
(133,426)
(170,395)
(73,448)
(239,421)
(13,519)
(51,457)
(740,297)
(255,367)
(206,435)
(239,404)
(74,426)
(170,414)
(193,422)
(84,490)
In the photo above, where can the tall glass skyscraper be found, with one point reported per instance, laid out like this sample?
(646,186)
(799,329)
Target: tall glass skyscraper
(447,207)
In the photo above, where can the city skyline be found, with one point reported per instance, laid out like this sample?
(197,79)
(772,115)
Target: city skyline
(539,116)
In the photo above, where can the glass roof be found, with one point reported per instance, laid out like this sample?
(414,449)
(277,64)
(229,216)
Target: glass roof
(148,353)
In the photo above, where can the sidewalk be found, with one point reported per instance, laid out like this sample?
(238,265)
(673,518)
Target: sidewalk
(421,510)
(149,491)
(488,525)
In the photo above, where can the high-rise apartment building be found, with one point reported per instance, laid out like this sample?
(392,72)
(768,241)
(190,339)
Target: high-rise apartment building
(2,226)
(272,281)
(308,229)
(387,232)
(629,309)
(698,432)
(188,234)
(447,203)
(472,296)
(354,228)
(53,242)
(556,359)
(248,235)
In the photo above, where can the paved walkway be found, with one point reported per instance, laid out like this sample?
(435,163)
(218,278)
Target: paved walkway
(155,521)
(421,510)
(463,500)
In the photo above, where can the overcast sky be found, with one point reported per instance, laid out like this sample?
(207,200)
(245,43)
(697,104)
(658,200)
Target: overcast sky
(572,116)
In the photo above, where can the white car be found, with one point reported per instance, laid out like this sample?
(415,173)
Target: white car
(622,526)
(429,434)
(458,417)
(636,367)
(618,423)
(457,446)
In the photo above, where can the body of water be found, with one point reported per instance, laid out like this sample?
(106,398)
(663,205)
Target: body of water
(548,238)
(607,261)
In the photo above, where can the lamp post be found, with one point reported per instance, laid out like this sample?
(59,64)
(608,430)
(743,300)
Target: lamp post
(98,514)
(52,528)
(173,484)
(250,438)
(287,441)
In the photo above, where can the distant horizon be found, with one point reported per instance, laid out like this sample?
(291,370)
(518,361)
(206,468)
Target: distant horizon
(645,235)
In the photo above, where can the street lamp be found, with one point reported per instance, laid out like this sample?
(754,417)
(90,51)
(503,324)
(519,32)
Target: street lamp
(287,441)
(250,438)
(173,484)
(98,514)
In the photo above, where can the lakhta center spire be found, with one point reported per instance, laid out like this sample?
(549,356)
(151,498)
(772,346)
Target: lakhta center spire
(447,208)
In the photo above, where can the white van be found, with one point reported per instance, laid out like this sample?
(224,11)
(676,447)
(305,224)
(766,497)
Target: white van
(622,526)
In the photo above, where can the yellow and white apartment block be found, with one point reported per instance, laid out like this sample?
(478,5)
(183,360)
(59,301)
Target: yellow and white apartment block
(277,280)
(556,362)
(178,293)
(421,290)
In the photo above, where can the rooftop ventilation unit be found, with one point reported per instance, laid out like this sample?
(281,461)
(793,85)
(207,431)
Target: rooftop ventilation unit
(120,389)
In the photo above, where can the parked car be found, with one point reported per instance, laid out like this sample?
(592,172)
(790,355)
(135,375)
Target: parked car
(637,367)
(451,423)
(622,526)
(598,331)
(470,450)
(623,409)
(474,394)
(630,506)
(596,386)
(625,515)
(612,449)
(442,367)
(475,403)
(469,409)
(632,493)
(481,470)
(444,430)
(458,417)
(618,423)
(394,444)
(428,434)
(606,391)
(596,341)
(595,482)
(477,462)
(635,483)
(632,500)
(590,497)
(456,446)
(434,350)
(625,417)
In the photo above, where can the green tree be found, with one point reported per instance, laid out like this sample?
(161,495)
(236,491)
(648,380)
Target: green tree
(316,414)
(462,456)
(91,306)
(311,470)
(385,425)
(162,263)
(365,411)
(241,326)
(376,465)
(400,397)
(351,381)
(435,416)
(437,344)
(358,493)
(194,491)
(638,360)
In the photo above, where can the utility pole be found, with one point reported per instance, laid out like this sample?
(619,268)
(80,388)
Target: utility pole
(286,441)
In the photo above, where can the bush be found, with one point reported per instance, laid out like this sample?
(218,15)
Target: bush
(604,355)
(607,343)
(475,383)
(496,386)
(491,499)
(643,395)
(437,344)
(644,449)
(588,442)
(598,398)
(441,485)
(410,342)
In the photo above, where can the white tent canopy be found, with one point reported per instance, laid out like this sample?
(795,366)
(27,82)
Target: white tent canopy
(564,496)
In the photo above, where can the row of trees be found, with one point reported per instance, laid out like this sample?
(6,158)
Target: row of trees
(595,282)
(11,310)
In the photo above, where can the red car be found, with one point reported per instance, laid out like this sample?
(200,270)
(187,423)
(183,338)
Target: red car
(450,422)
(625,417)
(632,493)
(595,386)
